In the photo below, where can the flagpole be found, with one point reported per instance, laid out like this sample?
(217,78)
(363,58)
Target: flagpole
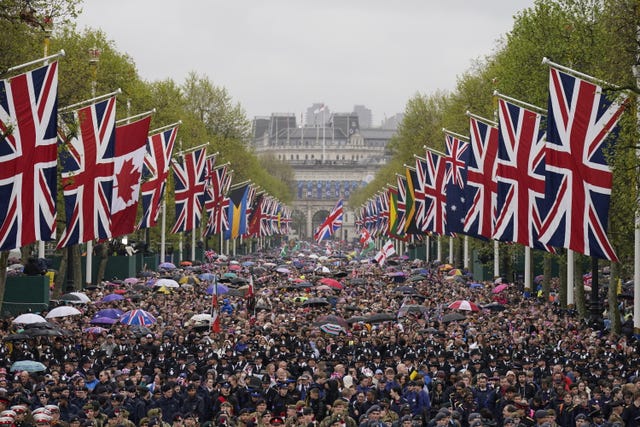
(457,135)
(547,61)
(135,117)
(89,101)
(45,59)
(193,244)
(535,108)
(481,119)
(187,150)
(163,128)
(451,250)
(440,248)
(163,236)
(527,269)
(570,278)
(465,262)
(636,234)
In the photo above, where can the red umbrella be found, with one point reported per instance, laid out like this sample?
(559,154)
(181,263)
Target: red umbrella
(464,305)
(332,283)
(235,267)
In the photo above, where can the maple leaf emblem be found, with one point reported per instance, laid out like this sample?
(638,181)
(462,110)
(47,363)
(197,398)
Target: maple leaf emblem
(127,179)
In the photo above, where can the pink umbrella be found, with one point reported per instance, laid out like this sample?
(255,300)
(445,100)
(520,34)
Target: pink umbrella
(501,287)
(464,305)
(332,283)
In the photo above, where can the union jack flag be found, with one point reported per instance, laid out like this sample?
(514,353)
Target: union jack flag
(88,174)
(155,173)
(401,219)
(28,134)
(331,224)
(481,187)
(578,184)
(431,173)
(189,177)
(216,203)
(456,158)
(520,175)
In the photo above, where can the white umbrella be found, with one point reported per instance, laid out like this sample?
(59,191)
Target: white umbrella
(82,296)
(29,318)
(202,317)
(63,311)
(167,283)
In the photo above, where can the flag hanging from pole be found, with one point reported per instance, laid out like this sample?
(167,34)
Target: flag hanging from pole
(215,202)
(87,174)
(155,173)
(457,155)
(189,176)
(237,212)
(131,142)
(331,224)
(387,250)
(520,175)
(578,178)
(28,133)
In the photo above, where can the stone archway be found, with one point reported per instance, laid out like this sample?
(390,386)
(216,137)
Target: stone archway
(299,223)
(317,219)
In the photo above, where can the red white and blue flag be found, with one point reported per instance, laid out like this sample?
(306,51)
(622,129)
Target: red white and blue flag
(216,203)
(520,175)
(431,213)
(383,254)
(578,180)
(28,154)
(456,157)
(481,188)
(331,224)
(155,173)
(189,174)
(131,143)
(88,174)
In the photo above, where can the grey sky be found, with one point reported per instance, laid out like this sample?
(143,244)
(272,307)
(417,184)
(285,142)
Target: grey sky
(284,55)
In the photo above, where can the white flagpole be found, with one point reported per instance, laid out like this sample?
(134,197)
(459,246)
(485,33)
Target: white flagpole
(451,250)
(36,61)
(427,249)
(89,101)
(180,249)
(193,244)
(163,236)
(496,259)
(440,248)
(465,262)
(570,279)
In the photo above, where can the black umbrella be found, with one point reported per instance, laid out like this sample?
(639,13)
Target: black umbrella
(494,306)
(412,308)
(70,297)
(452,317)
(340,274)
(405,290)
(380,317)
(17,337)
(336,320)
(356,319)
(43,332)
(315,302)
(357,281)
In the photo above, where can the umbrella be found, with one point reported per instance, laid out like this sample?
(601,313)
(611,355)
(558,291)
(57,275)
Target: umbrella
(28,318)
(235,267)
(413,308)
(455,272)
(137,317)
(494,306)
(76,297)
(201,317)
(356,319)
(283,270)
(63,311)
(44,332)
(95,330)
(131,280)
(452,317)
(337,320)
(113,313)
(111,297)
(315,302)
(236,292)
(416,278)
(167,266)
(405,290)
(248,264)
(186,263)
(476,285)
(207,276)
(358,281)
(230,275)
(332,283)
(501,287)
(222,289)
(332,329)
(17,337)
(167,283)
(103,320)
(380,317)
(322,269)
(28,365)
(464,305)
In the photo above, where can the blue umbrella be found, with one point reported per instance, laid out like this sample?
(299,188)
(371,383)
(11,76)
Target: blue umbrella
(112,297)
(137,317)
(113,313)
(222,289)
(28,365)
(167,266)
(207,276)
(248,263)
(476,285)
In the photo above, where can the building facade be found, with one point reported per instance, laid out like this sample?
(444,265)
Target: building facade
(330,160)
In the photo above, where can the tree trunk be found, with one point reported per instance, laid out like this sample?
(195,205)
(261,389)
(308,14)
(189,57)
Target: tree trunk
(76,266)
(103,255)
(546,281)
(562,291)
(612,296)
(61,277)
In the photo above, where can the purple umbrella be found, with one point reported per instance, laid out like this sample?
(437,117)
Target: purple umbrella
(222,289)
(113,313)
(103,321)
(112,297)
(137,317)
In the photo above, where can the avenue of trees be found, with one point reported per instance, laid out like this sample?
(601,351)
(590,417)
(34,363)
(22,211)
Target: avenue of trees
(596,37)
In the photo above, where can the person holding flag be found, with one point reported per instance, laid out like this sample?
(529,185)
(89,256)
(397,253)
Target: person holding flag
(331,224)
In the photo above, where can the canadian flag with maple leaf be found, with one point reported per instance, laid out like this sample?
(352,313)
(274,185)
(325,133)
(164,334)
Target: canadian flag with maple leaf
(130,148)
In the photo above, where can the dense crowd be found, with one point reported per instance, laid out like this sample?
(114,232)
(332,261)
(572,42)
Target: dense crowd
(379,348)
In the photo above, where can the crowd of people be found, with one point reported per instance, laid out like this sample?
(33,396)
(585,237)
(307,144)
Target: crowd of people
(374,346)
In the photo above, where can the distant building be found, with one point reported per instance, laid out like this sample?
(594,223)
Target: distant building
(364,116)
(392,122)
(330,156)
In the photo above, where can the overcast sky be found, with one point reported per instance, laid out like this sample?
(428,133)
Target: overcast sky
(284,55)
